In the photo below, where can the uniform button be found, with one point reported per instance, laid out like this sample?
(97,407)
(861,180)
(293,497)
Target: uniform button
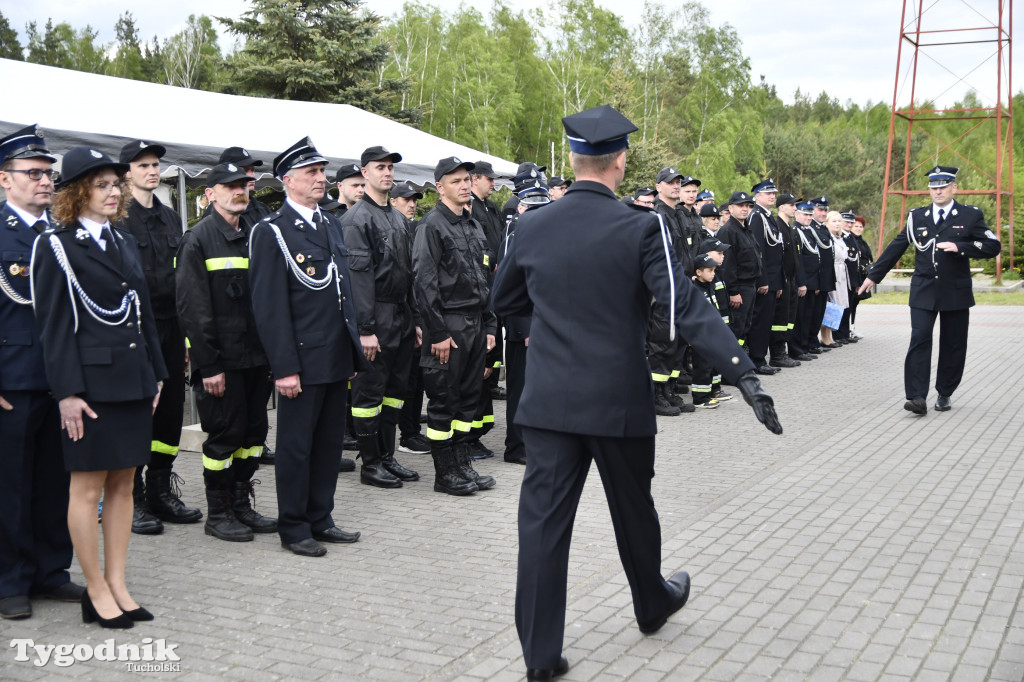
(301,344)
(343,298)
(131,325)
(124,285)
(132,346)
(735,360)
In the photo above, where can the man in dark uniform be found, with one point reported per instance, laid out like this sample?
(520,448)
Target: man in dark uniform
(229,367)
(351,186)
(298,268)
(826,271)
(765,232)
(704,197)
(157,230)
(946,235)
(35,548)
(784,320)
(690,221)
(853,276)
(589,264)
(379,244)
(741,269)
(509,209)
(809,256)
(644,196)
(517,330)
(557,186)
(487,214)
(452,265)
(405,198)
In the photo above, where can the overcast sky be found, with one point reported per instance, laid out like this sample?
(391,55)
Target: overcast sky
(847,49)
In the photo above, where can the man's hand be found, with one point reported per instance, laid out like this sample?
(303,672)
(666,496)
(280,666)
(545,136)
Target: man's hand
(5,405)
(801,292)
(419,337)
(289,386)
(71,409)
(764,406)
(215,385)
(156,398)
(948,246)
(491,343)
(762,290)
(526,342)
(487,372)
(370,346)
(735,301)
(865,286)
(443,349)
(778,293)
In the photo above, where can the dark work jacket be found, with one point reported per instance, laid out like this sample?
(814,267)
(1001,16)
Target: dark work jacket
(214,298)
(742,264)
(487,214)
(769,245)
(790,261)
(452,263)
(826,266)
(305,332)
(691,226)
(809,257)
(517,327)
(587,267)
(158,234)
(379,244)
(866,257)
(101,362)
(853,272)
(942,279)
(678,232)
(21,353)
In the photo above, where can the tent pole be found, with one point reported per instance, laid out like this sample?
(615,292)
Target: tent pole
(182,203)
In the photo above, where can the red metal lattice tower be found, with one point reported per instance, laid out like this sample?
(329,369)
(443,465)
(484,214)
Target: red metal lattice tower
(934,32)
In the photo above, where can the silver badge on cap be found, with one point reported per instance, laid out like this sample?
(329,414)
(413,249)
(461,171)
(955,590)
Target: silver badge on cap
(232,167)
(142,145)
(96,154)
(456,159)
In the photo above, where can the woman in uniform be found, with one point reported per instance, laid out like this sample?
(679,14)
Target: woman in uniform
(104,365)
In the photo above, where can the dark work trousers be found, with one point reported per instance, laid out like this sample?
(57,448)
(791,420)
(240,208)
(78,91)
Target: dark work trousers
(453,389)
(35,548)
(236,423)
(409,418)
(703,380)
(661,352)
(817,306)
(952,351)
(483,417)
(309,443)
(494,360)
(170,411)
(741,318)
(798,340)
(844,326)
(556,469)
(783,320)
(761,328)
(384,386)
(515,380)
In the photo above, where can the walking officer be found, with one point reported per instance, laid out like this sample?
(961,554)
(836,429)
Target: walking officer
(298,270)
(228,364)
(945,235)
(157,231)
(379,244)
(587,263)
(35,547)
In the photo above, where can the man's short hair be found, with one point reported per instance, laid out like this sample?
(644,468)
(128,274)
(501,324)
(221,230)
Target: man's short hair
(584,164)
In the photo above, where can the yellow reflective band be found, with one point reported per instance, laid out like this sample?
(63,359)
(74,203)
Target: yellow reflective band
(741,342)
(725,318)
(478,423)
(246,453)
(232,263)
(188,344)
(365,412)
(487,259)
(434,434)
(350,385)
(675,374)
(393,402)
(174,263)
(464,427)
(700,388)
(497,365)
(719,285)
(216,464)
(659,378)
(790,325)
(779,327)
(488,419)
(163,448)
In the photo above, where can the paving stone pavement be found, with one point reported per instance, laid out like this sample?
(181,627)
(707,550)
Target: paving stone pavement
(863,544)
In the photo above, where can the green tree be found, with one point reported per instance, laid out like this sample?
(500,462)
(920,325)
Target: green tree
(10,46)
(127,61)
(316,51)
(63,46)
(191,57)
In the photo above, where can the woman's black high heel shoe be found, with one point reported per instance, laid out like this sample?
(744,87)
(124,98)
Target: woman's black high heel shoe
(89,615)
(139,614)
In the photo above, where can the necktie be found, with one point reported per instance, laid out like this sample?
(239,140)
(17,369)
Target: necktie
(112,250)
(40,226)
(938,216)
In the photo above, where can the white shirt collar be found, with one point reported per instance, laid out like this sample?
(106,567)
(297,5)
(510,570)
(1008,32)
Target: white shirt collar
(27,217)
(95,229)
(306,213)
(946,209)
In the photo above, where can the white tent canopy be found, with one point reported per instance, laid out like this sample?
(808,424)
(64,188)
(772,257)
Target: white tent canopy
(75,108)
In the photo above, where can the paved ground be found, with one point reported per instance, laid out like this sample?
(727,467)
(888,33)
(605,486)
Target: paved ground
(863,544)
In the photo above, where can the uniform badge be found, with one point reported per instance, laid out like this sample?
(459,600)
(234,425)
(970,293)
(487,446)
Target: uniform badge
(15,269)
(310,271)
(977,245)
(988,233)
(958,227)
(12,220)
(81,234)
(923,234)
(95,154)
(953,212)
(487,259)
(300,258)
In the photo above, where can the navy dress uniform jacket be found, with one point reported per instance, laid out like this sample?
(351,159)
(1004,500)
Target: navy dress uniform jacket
(576,264)
(942,279)
(299,327)
(101,362)
(21,355)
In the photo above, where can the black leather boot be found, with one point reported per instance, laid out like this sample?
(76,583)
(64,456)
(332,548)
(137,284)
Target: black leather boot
(447,478)
(220,519)
(164,497)
(241,491)
(373,471)
(387,456)
(143,523)
(464,461)
(662,406)
(670,395)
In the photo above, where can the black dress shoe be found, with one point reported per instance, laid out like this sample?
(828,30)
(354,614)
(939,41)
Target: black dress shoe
(766,370)
(307,547)
(90,615)
(498,393)
(679,587)
(805,357)
(548,673)
(942,404)
(784,361)
(519,458)
(347,465)
(916,405)
(16,607)
(266,455)
(336,535)
(69,592)
(350,443)
(814,351)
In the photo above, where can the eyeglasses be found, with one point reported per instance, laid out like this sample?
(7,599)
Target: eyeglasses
(107,187)
(35,174)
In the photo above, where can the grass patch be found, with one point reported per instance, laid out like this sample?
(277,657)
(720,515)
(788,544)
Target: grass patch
(981,297)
